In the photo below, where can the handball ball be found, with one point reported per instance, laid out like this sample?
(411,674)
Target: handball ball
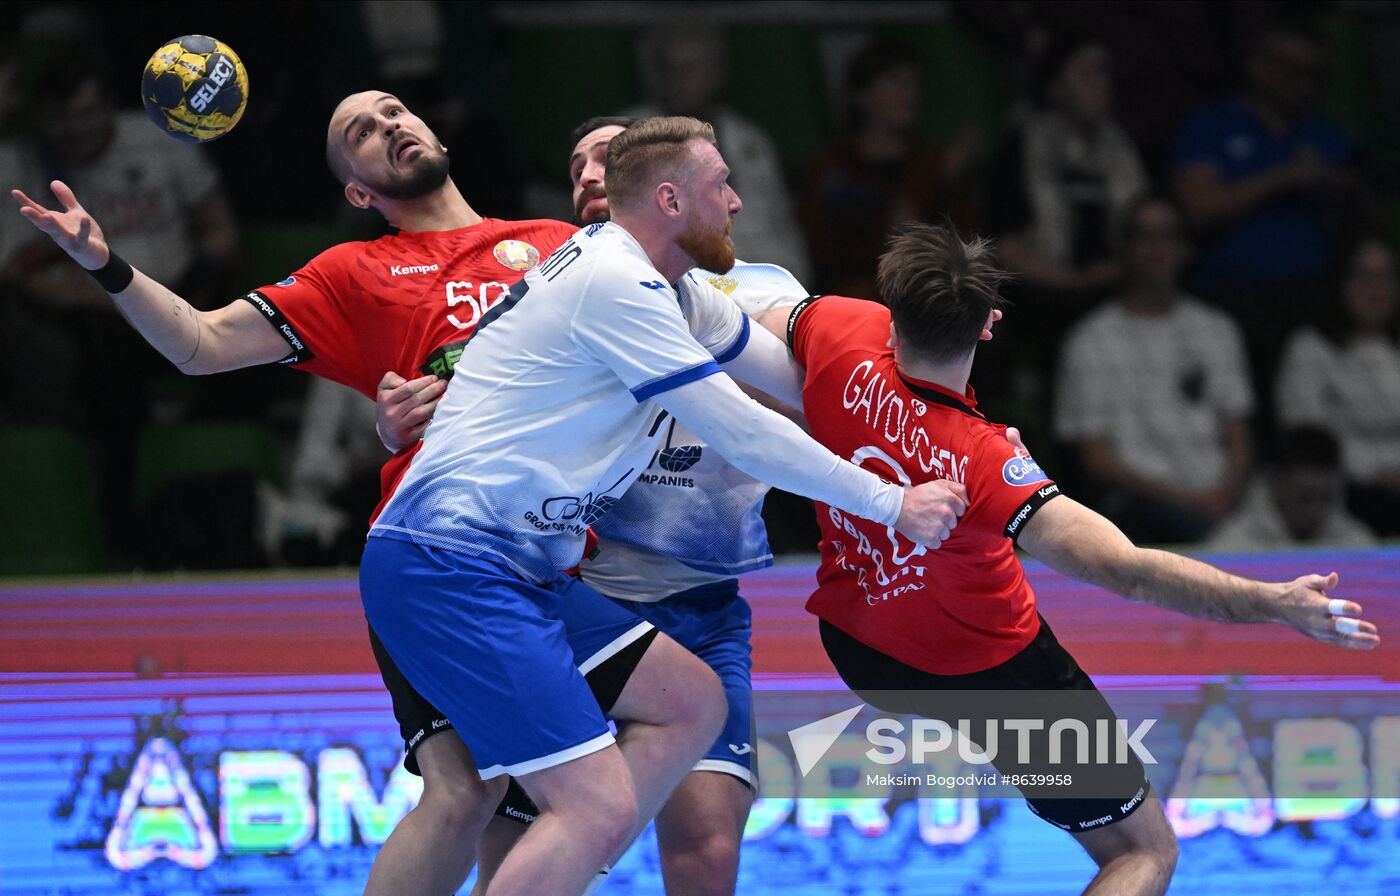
(195,88)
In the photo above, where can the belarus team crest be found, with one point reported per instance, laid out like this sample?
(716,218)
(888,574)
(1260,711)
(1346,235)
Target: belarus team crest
(516,255)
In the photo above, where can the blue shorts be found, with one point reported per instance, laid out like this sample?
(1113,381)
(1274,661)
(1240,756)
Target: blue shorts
(715,623)
(501,657)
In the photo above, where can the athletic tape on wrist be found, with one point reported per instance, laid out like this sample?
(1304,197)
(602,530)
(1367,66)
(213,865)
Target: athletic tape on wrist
(114,276)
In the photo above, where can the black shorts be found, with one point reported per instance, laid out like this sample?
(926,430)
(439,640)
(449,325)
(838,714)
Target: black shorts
(1043,666)
(418,718)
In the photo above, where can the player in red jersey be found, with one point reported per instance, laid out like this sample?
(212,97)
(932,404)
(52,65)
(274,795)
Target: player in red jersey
(888,388)
(403,302)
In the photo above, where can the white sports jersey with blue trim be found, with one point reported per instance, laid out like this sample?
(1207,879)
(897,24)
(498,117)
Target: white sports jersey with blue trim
(691,518)
(550,414)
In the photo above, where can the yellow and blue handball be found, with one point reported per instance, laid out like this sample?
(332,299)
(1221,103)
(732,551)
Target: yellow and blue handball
(195,88)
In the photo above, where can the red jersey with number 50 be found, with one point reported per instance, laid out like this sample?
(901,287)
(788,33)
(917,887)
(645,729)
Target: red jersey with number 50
(405,303)
(965,606)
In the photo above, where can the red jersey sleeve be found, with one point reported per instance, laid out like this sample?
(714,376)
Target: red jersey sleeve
(1005,485)
(307,309)
(821,323)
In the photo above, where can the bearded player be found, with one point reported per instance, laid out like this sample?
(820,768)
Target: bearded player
(405,302)
(910,630)
(671,550)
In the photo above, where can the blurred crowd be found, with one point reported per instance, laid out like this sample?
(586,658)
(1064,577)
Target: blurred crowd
(1204,336)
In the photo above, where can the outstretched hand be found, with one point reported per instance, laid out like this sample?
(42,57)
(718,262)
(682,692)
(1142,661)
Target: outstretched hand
(404,408)
(1305,606)
(73,230)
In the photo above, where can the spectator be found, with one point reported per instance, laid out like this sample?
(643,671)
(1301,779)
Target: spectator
(1154,393)
(162,201)
(1259,175)
(1346,376)
(1299,501)
(880,172)
(1063,178)
(683,66)
(162,206)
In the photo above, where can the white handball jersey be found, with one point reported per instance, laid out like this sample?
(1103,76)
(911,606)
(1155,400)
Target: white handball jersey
(691,518)
(550,414)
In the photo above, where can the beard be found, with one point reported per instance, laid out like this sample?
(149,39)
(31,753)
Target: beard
(424,175)
(711,250)
(586,197)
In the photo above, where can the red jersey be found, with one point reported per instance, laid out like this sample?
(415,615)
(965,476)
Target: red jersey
(406,303)
(965,606)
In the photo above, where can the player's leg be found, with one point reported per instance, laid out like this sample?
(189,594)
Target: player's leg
(699,832)
(489,650)
(433,847)
(700,829)
(669,710)
(664,713)
(1136,856)
(500,835)
(431,850)
(588,811)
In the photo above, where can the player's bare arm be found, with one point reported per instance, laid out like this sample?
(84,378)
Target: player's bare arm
(775,320)
(197,342)
(1078,542)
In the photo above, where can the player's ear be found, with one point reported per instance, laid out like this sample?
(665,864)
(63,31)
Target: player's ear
(894,338)
(992,317)
(357,195)
(667,198)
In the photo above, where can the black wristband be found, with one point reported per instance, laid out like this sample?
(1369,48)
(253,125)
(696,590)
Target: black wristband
(114,276)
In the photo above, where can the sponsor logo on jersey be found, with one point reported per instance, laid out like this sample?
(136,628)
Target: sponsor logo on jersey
(591,229)
(741,749)
(443,359)
(1021,471)
(653,284)
(288,282)
(919,407)
(517,255)
(398,270)
(679,458)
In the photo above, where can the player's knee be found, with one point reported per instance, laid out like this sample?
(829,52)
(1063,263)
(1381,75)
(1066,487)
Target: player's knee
(462,803)
(692,694)
(1166,854)
(613,815)
(711,854)
(706,703)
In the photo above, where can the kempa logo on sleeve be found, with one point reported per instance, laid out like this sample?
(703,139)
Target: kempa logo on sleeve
(400,269)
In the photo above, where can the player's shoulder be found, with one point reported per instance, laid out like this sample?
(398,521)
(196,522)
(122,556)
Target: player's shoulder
(546,229)
(342,255)
(844,312)
(757,276)
(615,254)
